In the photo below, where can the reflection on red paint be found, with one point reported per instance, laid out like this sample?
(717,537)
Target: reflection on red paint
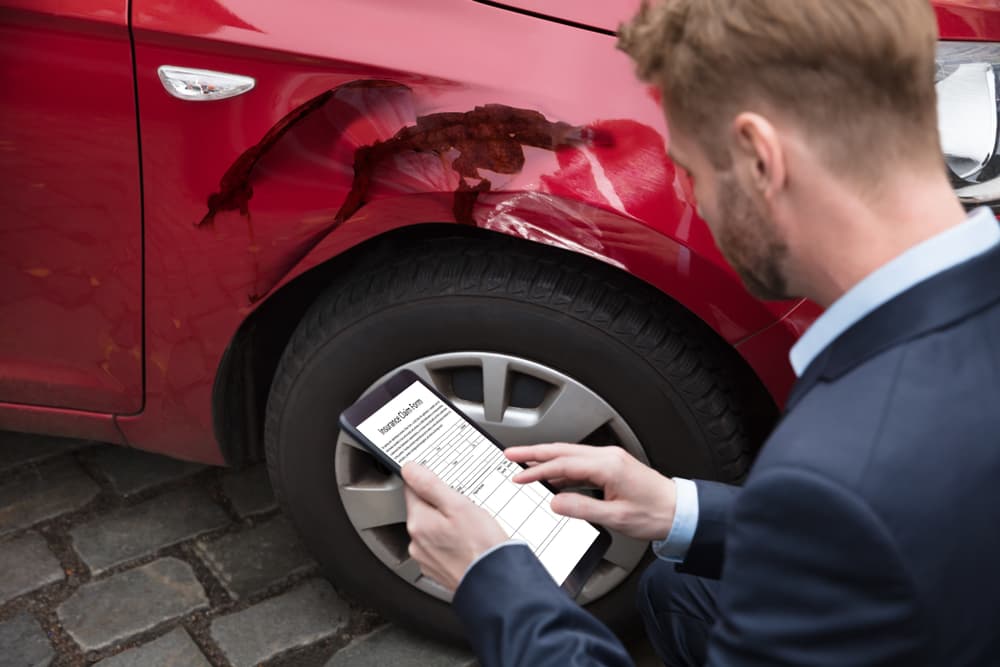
(201,17)
(628,170)
(968,19)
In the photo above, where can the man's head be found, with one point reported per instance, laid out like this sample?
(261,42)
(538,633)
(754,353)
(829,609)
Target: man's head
(768,100)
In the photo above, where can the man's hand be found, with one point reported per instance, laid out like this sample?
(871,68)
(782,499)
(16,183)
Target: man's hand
(638,501)
(447,531)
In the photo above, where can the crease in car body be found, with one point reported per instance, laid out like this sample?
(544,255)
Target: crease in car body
(464,144)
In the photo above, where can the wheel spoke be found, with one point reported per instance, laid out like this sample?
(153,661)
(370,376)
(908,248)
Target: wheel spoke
(496,373)
(409,569)
(625,552)
(373,506)
(572,415)
(607,576)
(424,373)
(351,442)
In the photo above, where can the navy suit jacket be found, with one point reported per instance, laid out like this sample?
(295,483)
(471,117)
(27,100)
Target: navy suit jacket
(868,530)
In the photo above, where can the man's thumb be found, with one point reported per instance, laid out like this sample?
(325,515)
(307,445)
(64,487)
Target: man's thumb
(427,485)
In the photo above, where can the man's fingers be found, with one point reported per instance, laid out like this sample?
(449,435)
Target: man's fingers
(541,453)
(579,506)
(570,468)
(557,482)
(428,486)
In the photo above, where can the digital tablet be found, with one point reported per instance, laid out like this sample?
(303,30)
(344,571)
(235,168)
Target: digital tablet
(404,419)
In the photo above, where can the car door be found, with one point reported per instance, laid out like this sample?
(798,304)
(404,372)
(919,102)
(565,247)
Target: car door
(70,207)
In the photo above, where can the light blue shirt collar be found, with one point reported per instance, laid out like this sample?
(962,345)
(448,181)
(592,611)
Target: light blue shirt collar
(977,234)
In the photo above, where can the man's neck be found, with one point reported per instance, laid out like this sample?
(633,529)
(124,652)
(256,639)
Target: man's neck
(852,237)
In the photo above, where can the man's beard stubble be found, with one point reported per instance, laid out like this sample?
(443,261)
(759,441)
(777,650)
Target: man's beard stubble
(749,242)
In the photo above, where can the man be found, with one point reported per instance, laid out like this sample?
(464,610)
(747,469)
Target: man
(867,531)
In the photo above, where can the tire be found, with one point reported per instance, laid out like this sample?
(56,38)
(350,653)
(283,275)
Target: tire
(679,389)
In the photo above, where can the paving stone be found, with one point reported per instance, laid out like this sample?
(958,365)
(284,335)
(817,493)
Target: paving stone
(103,612)
(26,564)
(249,491)
(44,493)
(390,645)
(174,649)
(252,560)
(298,618)
(131,470)
(23,643)
(20,448)
(131,532)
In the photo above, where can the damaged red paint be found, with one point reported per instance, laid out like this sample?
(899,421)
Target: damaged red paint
(490,137)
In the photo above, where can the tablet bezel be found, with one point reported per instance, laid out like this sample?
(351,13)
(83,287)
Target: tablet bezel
(381,394)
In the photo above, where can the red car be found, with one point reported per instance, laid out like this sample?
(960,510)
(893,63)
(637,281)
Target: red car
(223,220)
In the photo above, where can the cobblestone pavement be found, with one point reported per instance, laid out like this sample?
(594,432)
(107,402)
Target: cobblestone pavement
(120,558)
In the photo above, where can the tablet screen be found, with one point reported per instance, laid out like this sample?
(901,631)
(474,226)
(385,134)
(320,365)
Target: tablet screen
(418,426)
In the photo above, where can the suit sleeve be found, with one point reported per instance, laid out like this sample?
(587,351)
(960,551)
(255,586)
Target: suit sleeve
(514,614)
(704,556)
(813,577)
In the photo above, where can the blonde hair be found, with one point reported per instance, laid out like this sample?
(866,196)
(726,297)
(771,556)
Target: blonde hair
(856,75)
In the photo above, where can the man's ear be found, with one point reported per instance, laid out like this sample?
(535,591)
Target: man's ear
(758,152)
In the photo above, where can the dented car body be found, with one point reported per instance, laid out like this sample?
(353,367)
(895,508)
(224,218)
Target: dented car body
(157,251)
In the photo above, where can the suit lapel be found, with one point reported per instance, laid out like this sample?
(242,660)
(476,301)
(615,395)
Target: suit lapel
(809,378)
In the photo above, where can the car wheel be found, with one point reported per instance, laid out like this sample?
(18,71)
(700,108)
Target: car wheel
(532,344)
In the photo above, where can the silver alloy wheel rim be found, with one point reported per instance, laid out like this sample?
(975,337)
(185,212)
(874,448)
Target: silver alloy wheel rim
(570,411)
